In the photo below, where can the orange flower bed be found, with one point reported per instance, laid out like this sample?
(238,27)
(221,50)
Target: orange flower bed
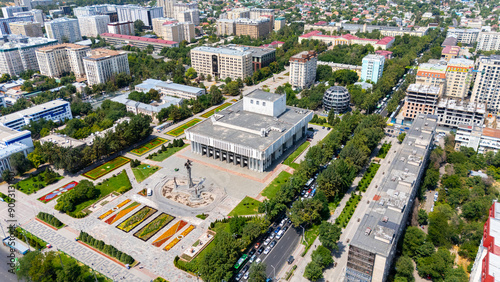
(176,240)
(111,211)
(187,231)
(123,203)
(106,214)
(122,213)
(169,233)
(172,244)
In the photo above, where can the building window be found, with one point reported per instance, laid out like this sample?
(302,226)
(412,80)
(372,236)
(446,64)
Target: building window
(251,101)
(257,102)
(264,104)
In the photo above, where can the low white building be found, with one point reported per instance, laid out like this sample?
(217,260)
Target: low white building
(152,109)
(56,110)
(452,113)
(12,142)
(170,89)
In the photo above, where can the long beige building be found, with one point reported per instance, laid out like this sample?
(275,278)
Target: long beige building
(29,29)
(92,26)
(102,64)
(254,28)
(57,60)
(222,62)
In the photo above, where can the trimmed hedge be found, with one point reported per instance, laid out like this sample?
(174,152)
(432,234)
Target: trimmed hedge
(107,249)
(368,177)
(384,150)
(348,210)
(50,219)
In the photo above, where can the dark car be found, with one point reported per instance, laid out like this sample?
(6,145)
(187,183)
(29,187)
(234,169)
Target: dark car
(251,252)
(260,250)
(285,228)
(290,260)
(238,276)
(273,243)
(245,268)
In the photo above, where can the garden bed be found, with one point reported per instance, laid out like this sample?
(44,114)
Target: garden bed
(169,233)
(104,215)
(153,227)
(58,192)
(368,177)
(180,129)
(122,213)
(384,150)
(136,219)
(219,108)
(180,237)
(106,168)
(151,145)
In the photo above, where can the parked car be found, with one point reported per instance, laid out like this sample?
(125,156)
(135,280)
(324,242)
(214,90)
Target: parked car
(252,251)
(245,268)
(273,243)
(268,240)
(257,246)
(252,258)
(290,260)
(260,250)
(267,250)
(246,275)
(238,276)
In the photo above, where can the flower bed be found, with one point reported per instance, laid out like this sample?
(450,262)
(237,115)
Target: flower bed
(122,213)
(169,233)
(180,237)
(153,227)
(106,168)
(58,192)
(112,210)
(172,244)
(180,129)
(148,146)
(136,219)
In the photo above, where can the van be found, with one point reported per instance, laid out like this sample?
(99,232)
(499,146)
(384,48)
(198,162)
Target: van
(278,236)
(150,192)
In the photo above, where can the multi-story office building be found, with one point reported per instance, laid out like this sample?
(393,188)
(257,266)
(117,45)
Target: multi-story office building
(125,28)
(102,64)
(347,39)
(432,74)
(167,7)
(450,52)
(372,68)
(92,26)
(303,69)
(253,132)
(170,89)
(488,41)
(254,28)
(18,53)
(173,30)
(133,12)
(57,60)
(372,249)
(279,23)
(452,113)
(56,110)
(13,142)
(29,29)
(458,78)
(35,13)
(222,62)
(4,23)
(261,57)
(192,15)
(64,30)
(8,12)
(93,10)
(138,41)
(464,36)
(420,99)
(487,83)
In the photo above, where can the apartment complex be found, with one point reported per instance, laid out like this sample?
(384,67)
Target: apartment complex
(450,52)
(125,28)
(222,62)
(58,60)
(13,142)
(187,12)
(432,74)
(488,41)
(138,41)
(92,26)
(8,12)
(18,53)
(458,78)
(4,22)
(420,99)
(464,36)
(279,23)
(64,30)
(348,39)
(236,14)
(487,82)
(35,13)
(167,6)
(56,110)
(94,10)
(372,68)
(131,13)
(170,89)
(102,64)
(373,247)
(29,29)
(173,30)
(254,28)
(303,69)
(452,113)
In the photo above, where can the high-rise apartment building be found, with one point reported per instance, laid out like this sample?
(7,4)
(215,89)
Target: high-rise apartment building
(4,22)
(18,54)
(173,31)
(254,28)
(29,29)
(222,62)
(125,28)
(488,41)
(458,78)
(8,12)
(487,83)
(93,10)
(167,6)
(303,69)
(237,14)
(92,26)
(372,68)
(57,60)
(432,74)
(465,36)
(256,13)
(35,13)
(133,12)
(279,23)
(102,64)
(21,3)
(226,27)
(420,99)
(191,15)
(64,30)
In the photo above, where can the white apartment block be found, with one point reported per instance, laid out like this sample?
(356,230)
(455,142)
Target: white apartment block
(303,69)
(372,67)
(192,15)
(237,14)
(167,6)
(92,26)
(93,10)
(256,13)
(124,28)
(8,12)
(102,64)
(133,12)
(458,77)
(488,41)
(487,83)
(222,62)
(18,54)
(57,60)
(64,30)
(465,36)
(173,30)
(29,29)
(37,15)
(452,113)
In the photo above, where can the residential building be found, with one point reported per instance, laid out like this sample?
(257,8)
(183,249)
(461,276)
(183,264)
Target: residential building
(35,13)
(450,52)
(337,99)
(372,68)
(4,23)
(279,23)
(173,30)
(468,136)
(222,62)
(257,13)
(13,142)
(237,14)
(322,25)
(303,69)
(167,6)
(56,110)
(261,57)
(372,249)
(432,74)
(23,3)
(170,89)
(192,15)
(58,60)
(152,109)
(124,28)
(64,30)
(458,77)
(137,41)
(18,53)
(452,113)
(226,27)
(133,12)
(488,41)
(92,26)
(254,28)
(450,41)
(385,30)
(94,10)
(8,12)
(420,99)
(253,132)
(29,29)
(464,36)
(487,82)
(102,64)
(62,141)
(347,39)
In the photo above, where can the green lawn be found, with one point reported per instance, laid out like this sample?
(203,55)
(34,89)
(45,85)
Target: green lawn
(148,146)
(35,183)
(296,153)
(170,151)
(144,171)
(247,206)
(310,235)
(211,112)
(119,183)
(180,129)
(106,168)
(274,187)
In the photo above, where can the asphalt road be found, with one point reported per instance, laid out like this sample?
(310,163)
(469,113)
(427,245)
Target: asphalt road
(279,255)
(4,268)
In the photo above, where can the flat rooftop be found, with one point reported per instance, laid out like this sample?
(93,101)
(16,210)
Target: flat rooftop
(462,106)
(381,224)
(421,88)
(256,51)
(102,53)
(153,83)
(234,125)
(221,50)
(263,95)
(62,46)
(33,110)
(62,141)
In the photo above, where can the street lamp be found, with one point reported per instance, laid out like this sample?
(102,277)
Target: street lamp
(274,270)
(303,234)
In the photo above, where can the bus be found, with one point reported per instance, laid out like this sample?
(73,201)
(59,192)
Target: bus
(241,261)
(309,182)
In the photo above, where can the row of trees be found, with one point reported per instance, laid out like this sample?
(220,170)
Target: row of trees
(105,248)
(50,219)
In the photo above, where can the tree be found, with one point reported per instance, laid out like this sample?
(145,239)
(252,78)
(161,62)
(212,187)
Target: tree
(232,88)
(7,175)
(191,73)
(329,234)
(215,95)
(217,264)
(413,239)
(313,271)
(344,77)
(401,137)
(139,25)
(422,217)
(404,268)
(209,77)
(257,272)
(19,163)
(306,211)
(323,73)
(35,159)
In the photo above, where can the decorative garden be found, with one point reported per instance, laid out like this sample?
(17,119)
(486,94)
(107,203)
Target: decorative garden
(136,219)
(180,237)
(122,213)
(104,215)
(58,192)
(169,233)
(219,108)
(180,129)
(106,167)
(148,146)
(153,227)
(36,182)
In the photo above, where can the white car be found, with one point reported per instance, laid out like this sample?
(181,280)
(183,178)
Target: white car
(252,258)
(267,250)
(258,260)
(246,275)
(271,236)
(268,240)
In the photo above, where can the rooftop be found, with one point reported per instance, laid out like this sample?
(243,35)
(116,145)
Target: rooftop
(432,67)
(256,51)
(453,104)
(263,95)
(22,42)
(61,46)
(167,101)
(491,132)
(421,88)
(222,50)
(453,50)
(62,141)
(450,41)
(102,53)
(461,62)
(154,83)
(33,110)
(138,38)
